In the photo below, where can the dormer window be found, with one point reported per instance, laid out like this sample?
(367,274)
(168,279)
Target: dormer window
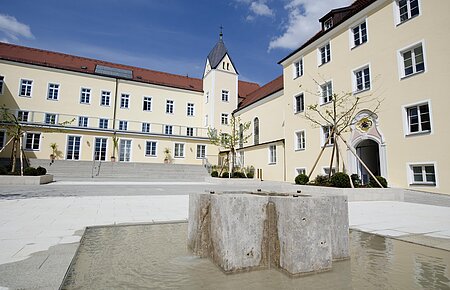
(328,24)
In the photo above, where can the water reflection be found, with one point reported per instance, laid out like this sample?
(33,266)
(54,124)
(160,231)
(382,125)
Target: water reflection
(156,257)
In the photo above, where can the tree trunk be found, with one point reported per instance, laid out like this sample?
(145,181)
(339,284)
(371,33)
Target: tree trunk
(14,155)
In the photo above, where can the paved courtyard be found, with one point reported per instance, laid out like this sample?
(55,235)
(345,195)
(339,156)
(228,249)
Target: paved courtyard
(40,227)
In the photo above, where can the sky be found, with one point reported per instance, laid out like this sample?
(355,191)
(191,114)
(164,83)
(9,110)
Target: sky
(173,36)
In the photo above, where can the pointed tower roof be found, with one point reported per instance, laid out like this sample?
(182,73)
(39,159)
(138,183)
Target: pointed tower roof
(217,53)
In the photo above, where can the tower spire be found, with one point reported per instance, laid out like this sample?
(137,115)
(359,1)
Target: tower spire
(221,32)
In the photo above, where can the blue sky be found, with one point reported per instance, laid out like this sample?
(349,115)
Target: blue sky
(174,36)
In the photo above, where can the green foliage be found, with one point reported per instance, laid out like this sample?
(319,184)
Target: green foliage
(3,171)
(214,174)
(356,180)
(321,180)
(30,171)
(225,175)
(41,170)
(250,175)
(238,174)
(301,179)
(340,179)
(381,179)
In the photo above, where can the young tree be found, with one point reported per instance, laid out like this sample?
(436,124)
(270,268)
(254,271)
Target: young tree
(230,141)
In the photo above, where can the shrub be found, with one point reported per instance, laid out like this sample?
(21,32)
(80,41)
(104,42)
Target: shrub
(236,174)
(225,175)
(301,179)
(41,170)
(215,174)
(30,171)
(340,179)
(250,174)
(3,171)
(381,179)
(321,180)
(356,180)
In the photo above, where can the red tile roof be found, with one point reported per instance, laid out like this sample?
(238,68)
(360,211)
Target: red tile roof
(63,61)
(347,12)
(264,91)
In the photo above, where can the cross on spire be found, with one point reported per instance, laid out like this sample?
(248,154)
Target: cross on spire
(221,32)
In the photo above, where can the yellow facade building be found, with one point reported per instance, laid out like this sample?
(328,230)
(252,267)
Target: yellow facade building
(390,52)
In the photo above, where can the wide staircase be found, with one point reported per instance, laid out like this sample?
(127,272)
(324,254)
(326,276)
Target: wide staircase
(121,171)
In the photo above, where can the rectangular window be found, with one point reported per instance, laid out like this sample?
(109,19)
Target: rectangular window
(190,109)
(326,170)
(206,121)
(100,149)
(272,154)
(150,148)
(169,106)
(207,97)
(32,141)
(326,131)
(326,92)
(298,68)
(125,150)
(105,98)
(123,125)
(300,141)
(299,103)
(418,118)
(224,96)
(25,88)
(361,79)
(22,116)
(147,104)
(2,84)
(407,9)
(224,119)
(53,92)
(328,24)
(73,147)
(189,131)
(82,121)
(2,138)
(325,53)
(201,151)
(146,127)
(423,174)
(179,150)
(413,60)
(300,170)
(124,101)
(85,97)
(168,129)
(103,123)
(50,119)
(359,34)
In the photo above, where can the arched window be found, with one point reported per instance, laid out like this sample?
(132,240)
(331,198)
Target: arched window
(256,131)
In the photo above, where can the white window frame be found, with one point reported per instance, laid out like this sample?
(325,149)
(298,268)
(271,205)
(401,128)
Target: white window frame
(197,151)
(182,146)
(297,169)
(147,126)
(106,96)
(396,8)
(206,120)
(295,103)
(20,118)
(319,54)
(224,120)
(21,83)
(323,138)
(167,129)
(321,90)
(124,155)
(87,95)
(93,149)
(355,79)
(411,182)
(401,64)
(298,146)
(326,168)
(100,122)
(170,106)
(2,82)
(51,114)
(405,117)
(156,148)
(67,146)
(147,101)
(225,96)
(39,141)
(190,131)
(296,73)
(124,100)
(84,118)
(190,109)
(352,35)
(123,125)
(51,92)
(272,154)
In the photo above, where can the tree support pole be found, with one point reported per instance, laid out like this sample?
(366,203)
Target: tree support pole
(320,154)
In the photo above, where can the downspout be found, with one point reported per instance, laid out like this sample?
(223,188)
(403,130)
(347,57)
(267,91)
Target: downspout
(284,157)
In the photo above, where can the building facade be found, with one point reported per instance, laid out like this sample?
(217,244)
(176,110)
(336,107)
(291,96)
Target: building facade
(390,54)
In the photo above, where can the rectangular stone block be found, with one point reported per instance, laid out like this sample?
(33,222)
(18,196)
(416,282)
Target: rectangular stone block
(199,224)
(339,227)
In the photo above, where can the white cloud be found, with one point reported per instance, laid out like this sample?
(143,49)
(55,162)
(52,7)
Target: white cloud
(303,21)
(261,9)
(13,29)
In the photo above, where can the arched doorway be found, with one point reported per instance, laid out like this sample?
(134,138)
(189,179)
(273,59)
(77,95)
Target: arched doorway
(369,152)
